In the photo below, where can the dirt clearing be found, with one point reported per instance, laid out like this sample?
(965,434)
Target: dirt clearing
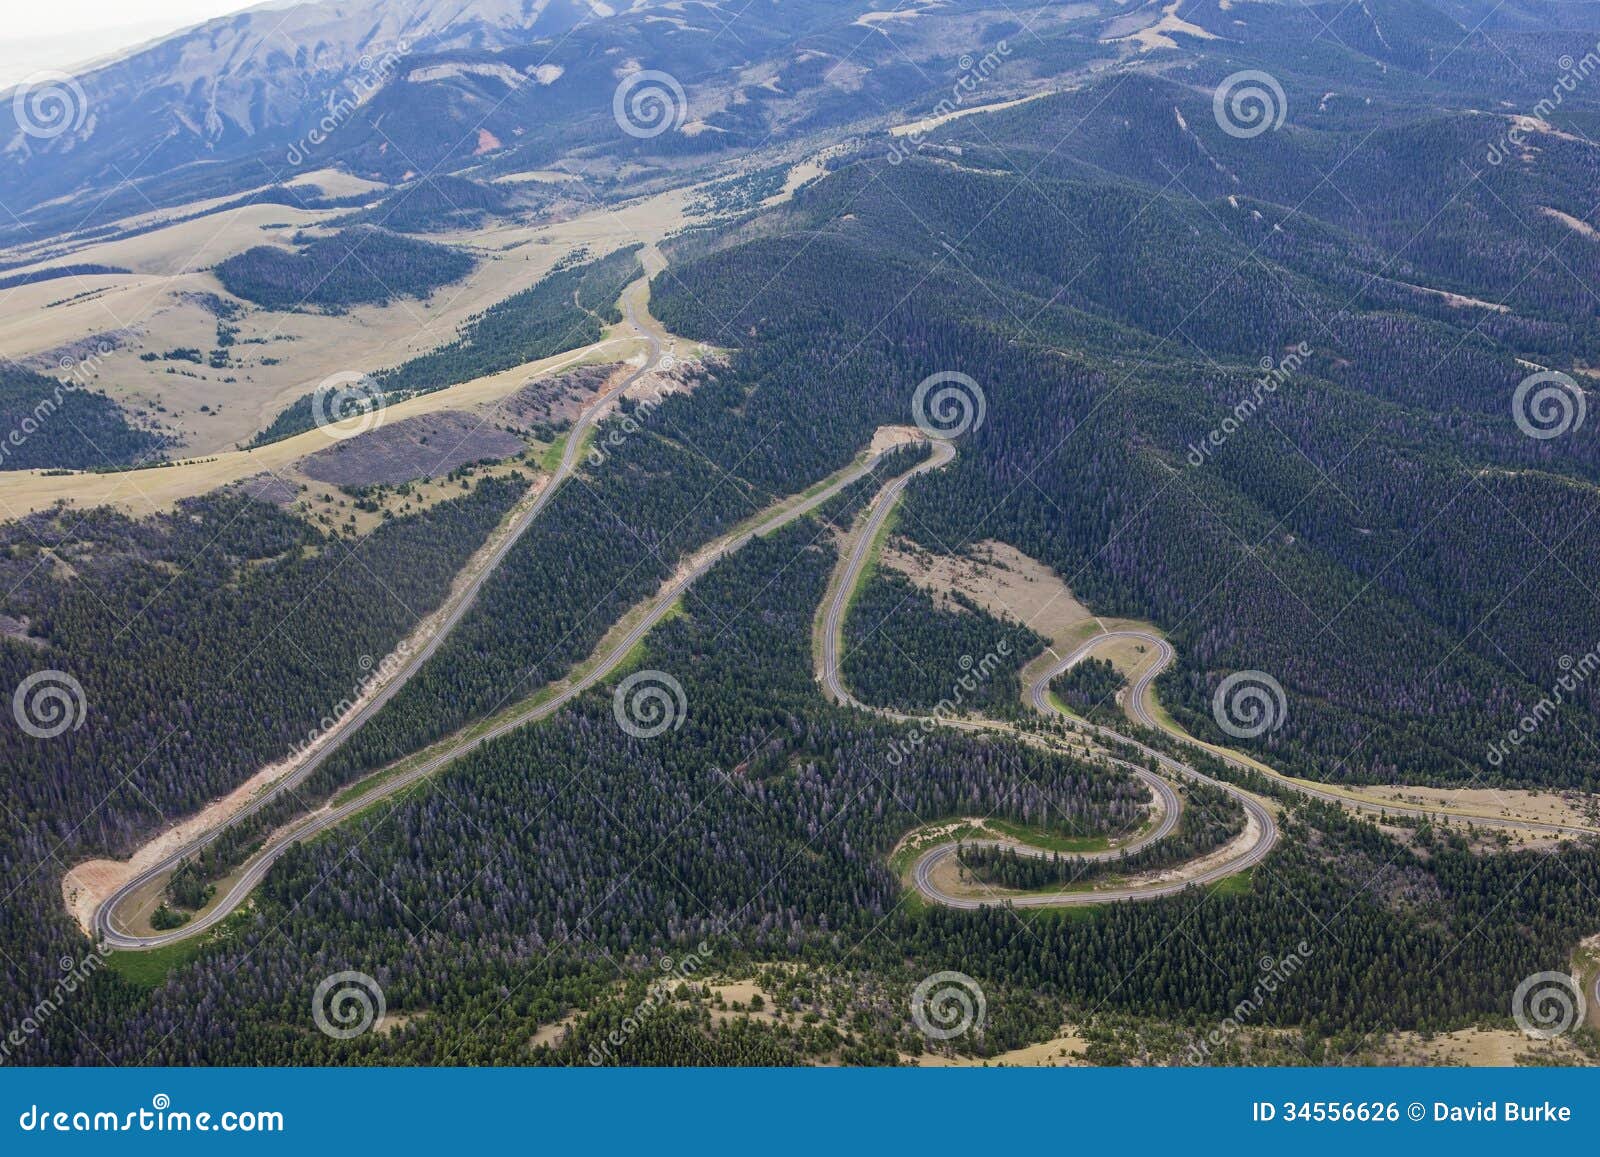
(396,452)
(1497,1047)
(1066,1048)
(1006,582)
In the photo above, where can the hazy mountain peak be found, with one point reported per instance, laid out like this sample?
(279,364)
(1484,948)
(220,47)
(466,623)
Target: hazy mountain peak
(217,86)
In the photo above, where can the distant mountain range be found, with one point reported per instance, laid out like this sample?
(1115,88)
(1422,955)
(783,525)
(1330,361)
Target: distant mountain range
(395,90)
(245,83)
(392,91)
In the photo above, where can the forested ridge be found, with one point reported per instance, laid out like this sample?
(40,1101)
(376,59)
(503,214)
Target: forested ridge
(548,606)
(904,650)
(435,204)
(1254,389)
(283,615)
(1090,688)
(205,642)
(356,266)
(566,310)
(59,423)
(489,897)
(1352,590)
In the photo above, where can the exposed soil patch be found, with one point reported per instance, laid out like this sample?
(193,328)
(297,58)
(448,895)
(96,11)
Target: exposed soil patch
(1067,1048)
(999,578)
(84,349)
(1551,806)
(888,437)
(550,1034)
(928,124)
(17,630)
(269,488)
(672,375)
(392,1022)
(554,402)
(1498,1047)
(1459,301)
(1159,34)
(429,445)
(1586,969)
(1571,222)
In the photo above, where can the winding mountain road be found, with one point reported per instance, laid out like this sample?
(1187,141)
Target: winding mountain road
(1261,827)
(848,576)
(852,565)
(1138,704)
(105,926)
(389,781)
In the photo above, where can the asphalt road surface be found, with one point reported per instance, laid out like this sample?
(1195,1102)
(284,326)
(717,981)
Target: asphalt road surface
(111,933)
